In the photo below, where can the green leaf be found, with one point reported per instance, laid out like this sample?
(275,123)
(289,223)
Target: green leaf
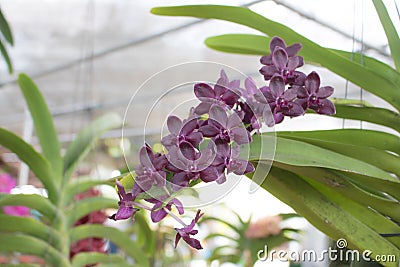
(21,265)
(5,29)
(381,159)
(230,225)
(39,165)
(390,30)
(30,226)
(88,205)
(380,116)
(346,68)
(85,140)
(358,137)
(44,125)
(293,152)
(6,57)
(116,236)
(36,202)
(325,214)
(32,246)
(89,258)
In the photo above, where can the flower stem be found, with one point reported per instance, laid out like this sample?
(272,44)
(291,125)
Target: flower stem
(175,217)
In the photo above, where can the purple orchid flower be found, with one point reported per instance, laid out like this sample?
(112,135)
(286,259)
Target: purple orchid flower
(150,171)
(187,164)
(182,131)
(229,158)
(158,211)
(228,129)
(187,231)
(7,183)
(314,97)
(280,101)
(126,202)
(279,42)
(284,66)
(224,92)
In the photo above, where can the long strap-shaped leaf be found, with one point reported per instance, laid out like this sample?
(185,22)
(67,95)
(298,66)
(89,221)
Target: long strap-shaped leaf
(390,30)
(346,68)
(36,202)
(36,162)
(44,125)
(116,236)
(33,246)
(303,154)
(88,258)
(31,227)
(326,215)
(85,139)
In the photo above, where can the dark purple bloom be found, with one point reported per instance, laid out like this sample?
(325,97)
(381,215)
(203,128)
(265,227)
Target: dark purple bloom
(126,202)
(279,42)
(280,101)
(314,97)
(224,92)
(187,163)
(158,213)
(182,131)
(228,129)
(187,231)
(150,171)
(229,158)
(284,66)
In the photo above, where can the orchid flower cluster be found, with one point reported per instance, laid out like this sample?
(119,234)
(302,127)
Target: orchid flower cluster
(206,146)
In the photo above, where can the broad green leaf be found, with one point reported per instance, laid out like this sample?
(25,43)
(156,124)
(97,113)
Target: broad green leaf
(85,140)
(32,246)
(30,226)
(341,185)
(5,29)
(145,235)
(36,162)
(36,202)
(6,57)
(346,68)
(364,214)
(358,137)
(325,214)
(88,258)
(381,159)
(44,125)
(390,30)
(303,154)
(380,116)
(88,205)
(248,44)
(118,237)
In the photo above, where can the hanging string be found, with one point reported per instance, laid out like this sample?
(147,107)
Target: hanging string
(346,88)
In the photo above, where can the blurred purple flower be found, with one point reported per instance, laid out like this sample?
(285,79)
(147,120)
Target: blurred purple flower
(7,183)
(314,97)
(187,231)
(182,131)
(225,92)
(280,101)
(126,203)
(228,129)
(150,171)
